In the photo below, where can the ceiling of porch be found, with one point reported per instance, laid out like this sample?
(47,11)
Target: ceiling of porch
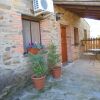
(85,9)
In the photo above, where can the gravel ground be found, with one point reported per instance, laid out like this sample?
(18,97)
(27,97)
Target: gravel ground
(80,81)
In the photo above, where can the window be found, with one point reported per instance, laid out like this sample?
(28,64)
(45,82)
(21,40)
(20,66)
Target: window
(31,33)
(85,34)
(76,36)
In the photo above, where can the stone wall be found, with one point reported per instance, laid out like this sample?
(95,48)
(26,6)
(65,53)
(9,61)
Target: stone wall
(14,67)
(6,4)
(50,31)
(23,6)
(11,39)
(71,20)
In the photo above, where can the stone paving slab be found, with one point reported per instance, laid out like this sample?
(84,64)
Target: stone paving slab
(80,81)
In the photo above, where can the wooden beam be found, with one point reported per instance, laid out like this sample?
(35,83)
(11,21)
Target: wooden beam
(88,3)
(89,16)
(83,11)
(92,11)
(72,7)
(97,8)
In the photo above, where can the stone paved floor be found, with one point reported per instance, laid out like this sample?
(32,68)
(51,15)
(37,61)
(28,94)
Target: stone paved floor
(80,81)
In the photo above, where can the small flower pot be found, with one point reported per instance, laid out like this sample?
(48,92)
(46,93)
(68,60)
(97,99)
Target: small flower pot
(38,83)
(56,72)
(33,50)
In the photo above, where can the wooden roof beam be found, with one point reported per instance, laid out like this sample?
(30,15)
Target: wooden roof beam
(88,3)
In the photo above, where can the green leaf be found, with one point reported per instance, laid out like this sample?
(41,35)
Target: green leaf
(39,66)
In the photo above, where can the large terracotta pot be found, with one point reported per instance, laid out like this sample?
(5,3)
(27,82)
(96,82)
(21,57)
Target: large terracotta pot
(56,72)
(33,50)
(38,83)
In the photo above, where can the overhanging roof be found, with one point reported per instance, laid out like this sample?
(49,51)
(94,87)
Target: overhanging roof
(88,9)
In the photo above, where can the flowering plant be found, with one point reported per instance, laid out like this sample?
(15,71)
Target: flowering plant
(35,45)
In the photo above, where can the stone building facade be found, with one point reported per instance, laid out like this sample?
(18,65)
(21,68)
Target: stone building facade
(11,38)
(11,13)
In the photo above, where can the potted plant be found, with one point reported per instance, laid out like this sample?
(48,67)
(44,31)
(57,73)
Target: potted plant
(39,70)
(34,48)
(53,61)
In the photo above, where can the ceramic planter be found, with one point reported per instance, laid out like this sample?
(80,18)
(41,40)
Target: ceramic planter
(33,50)
(38,83)
(56,72)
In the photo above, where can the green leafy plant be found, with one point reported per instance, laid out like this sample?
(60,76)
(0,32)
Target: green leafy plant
(38,63)
(53,56)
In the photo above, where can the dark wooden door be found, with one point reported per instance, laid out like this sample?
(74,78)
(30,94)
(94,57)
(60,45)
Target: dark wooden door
(63,44)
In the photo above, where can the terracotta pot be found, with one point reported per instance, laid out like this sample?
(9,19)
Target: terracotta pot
(56,72)
(38,82)
(33,50)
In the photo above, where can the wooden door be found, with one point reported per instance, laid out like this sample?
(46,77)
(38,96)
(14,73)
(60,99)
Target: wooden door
(64,44)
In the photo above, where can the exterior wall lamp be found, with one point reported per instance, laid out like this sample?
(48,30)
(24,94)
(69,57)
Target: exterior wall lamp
(58,16)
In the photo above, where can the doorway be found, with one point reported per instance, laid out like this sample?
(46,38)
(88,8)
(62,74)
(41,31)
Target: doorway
(64,44)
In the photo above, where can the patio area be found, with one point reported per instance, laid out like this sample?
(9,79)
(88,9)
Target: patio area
(80,81)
